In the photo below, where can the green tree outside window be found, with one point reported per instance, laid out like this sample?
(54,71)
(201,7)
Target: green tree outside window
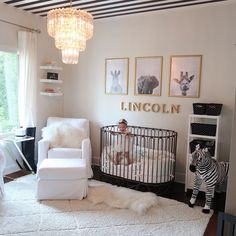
(8,91)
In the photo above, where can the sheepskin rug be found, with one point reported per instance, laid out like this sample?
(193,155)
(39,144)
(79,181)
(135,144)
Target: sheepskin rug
(63,135)
(119,197)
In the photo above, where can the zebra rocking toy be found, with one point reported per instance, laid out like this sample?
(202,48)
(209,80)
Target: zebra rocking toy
(210,171)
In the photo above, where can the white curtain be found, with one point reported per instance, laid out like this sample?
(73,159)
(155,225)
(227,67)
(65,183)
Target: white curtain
(27,45)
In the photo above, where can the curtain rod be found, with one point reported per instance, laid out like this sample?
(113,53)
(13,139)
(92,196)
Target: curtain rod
(31,29)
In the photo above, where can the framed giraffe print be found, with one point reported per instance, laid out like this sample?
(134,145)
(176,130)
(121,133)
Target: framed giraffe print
(116,74)
(185,76)
(148,75)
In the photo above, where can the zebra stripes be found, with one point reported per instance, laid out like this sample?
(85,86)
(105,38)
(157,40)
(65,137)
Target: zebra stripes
(210,171)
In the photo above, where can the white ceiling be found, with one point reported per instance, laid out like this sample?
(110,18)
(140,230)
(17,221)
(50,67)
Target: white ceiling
(104,9)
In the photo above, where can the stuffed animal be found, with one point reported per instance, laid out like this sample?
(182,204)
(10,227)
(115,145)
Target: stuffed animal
(210,171)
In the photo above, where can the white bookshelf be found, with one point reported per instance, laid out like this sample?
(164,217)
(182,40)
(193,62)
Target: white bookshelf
(202,119)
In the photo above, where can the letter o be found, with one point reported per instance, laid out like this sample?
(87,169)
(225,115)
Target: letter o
(156,107)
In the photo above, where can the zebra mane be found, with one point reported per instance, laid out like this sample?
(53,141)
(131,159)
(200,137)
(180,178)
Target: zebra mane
(204,151)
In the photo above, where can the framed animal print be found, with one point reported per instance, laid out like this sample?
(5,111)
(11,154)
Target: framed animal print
(117,73)
(185,76)
(148,75)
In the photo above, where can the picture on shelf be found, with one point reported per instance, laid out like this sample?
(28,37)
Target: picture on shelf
(51,75)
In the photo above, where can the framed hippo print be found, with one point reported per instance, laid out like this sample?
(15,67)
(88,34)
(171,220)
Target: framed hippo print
(148,75)
(116,73)
(185,76)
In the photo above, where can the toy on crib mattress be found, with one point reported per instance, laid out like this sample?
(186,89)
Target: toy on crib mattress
(209,170)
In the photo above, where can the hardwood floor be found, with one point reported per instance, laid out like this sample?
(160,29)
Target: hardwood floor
(15,175)
(177,192)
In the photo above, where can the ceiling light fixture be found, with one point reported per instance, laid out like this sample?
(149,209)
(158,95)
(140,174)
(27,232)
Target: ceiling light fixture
(70,28)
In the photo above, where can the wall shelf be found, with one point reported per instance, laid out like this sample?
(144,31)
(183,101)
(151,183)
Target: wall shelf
(50,67)
(51,94)
(51,85)
(51,81)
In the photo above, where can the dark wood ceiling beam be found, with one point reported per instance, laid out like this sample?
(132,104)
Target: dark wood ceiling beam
(143,7)
(13,1)
(104,15)
(88,7)
(103,8)
(124,8)
(145,4)
(53,4)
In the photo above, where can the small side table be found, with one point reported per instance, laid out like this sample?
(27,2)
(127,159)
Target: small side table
(16,140)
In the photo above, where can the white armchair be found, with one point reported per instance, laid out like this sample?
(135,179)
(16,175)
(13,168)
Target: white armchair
(85,152)
(2,165)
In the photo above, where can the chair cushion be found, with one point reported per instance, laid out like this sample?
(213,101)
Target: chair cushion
(62,169)
(67,153)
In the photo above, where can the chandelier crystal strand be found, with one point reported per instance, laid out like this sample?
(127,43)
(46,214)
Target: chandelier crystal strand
(70,56)
(70,28)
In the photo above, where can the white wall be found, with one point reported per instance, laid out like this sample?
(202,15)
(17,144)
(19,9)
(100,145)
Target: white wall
(46,106)
(208,30)
(230,206)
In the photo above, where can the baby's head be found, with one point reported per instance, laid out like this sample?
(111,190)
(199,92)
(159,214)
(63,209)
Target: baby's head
(122,125)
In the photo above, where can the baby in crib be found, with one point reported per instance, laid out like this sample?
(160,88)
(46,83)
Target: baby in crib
(123,144)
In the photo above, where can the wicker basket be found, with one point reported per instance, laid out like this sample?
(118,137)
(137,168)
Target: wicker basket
(199,108)
(211,147)
(195,142)
(203,129)
(213,109)
(203,144)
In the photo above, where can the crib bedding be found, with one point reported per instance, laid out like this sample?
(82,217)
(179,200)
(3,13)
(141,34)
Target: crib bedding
(148,165)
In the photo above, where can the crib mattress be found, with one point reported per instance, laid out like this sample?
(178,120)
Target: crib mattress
(149,166)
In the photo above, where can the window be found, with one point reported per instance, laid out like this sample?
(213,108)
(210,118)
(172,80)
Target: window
(8,91)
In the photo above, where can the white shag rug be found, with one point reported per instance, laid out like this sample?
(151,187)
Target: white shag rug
(21,214)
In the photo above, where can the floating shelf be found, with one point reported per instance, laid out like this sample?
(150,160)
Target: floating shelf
(51,81)
(51,94)
(50,67)
(50,87)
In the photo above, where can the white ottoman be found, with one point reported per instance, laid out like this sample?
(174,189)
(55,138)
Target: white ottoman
(62,179)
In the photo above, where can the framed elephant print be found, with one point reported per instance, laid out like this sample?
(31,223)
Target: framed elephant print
(185,76)
(148,75)
(117,73)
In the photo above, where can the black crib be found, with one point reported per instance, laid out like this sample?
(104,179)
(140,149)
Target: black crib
(152,153)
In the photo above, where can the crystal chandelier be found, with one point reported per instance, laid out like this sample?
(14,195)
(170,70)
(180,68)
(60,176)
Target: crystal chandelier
(70,28)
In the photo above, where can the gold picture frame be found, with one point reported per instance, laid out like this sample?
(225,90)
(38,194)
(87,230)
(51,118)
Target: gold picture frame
(185,76)
(116,76)
(148,75)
